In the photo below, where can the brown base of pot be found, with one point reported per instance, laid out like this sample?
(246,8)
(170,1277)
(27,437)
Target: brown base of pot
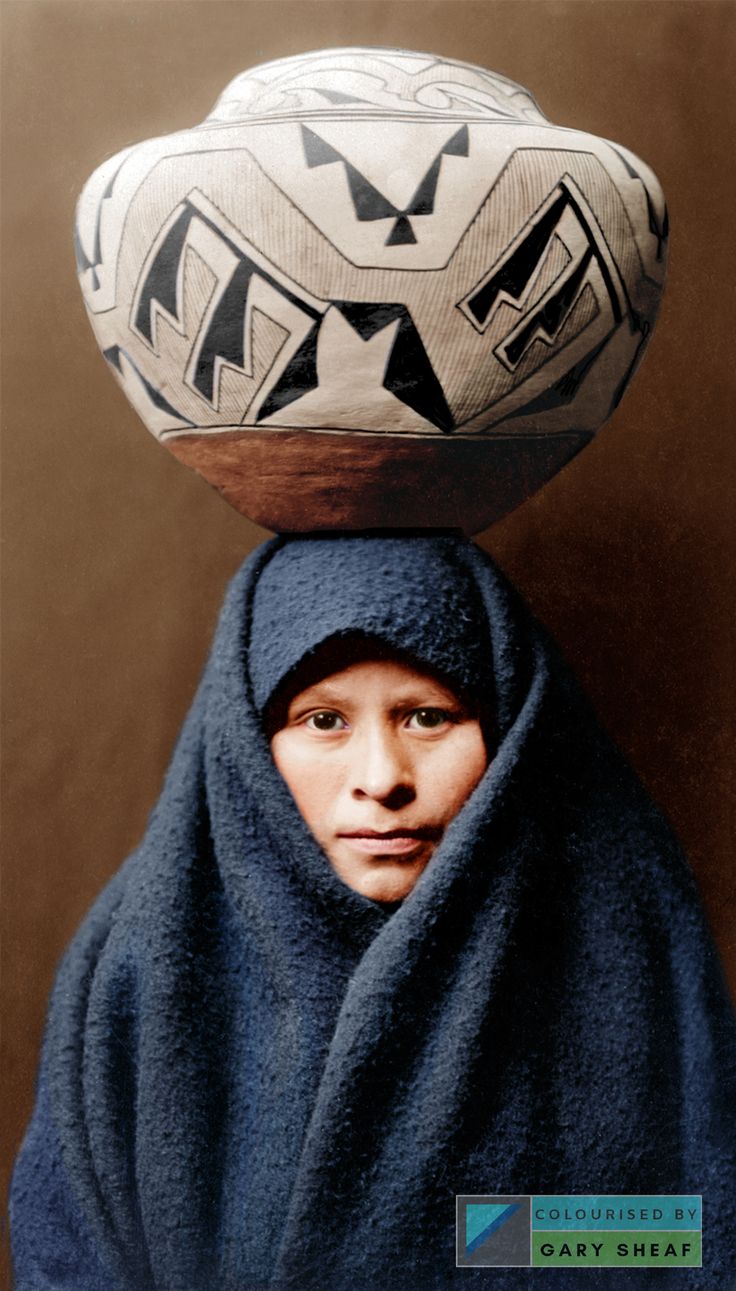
(296,481)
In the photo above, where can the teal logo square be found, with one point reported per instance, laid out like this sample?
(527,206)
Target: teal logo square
(493,1232)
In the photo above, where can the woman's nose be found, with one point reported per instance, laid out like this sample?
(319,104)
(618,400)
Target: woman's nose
(381,768)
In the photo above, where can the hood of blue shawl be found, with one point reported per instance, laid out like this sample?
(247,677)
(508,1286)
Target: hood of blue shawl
(438,598)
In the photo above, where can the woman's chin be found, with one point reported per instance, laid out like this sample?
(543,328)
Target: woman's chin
(380,879)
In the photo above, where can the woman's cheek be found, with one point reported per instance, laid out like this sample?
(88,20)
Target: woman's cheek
(456,767)
(314,781)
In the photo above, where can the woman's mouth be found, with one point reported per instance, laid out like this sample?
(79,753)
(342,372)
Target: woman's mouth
(390,842)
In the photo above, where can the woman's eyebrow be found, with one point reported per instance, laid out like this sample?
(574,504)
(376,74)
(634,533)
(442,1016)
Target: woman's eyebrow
(431,696)
(320,688)
(318,696)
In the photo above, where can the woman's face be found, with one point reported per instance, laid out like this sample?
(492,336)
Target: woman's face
(379,758)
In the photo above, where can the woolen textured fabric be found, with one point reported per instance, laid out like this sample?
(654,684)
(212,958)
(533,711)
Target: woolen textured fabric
(254,1077)
(432,609)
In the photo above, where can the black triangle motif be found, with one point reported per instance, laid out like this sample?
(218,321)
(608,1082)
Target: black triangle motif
(458,145)
(336,96)
(411,378)
(368,319)
(422,203)
(402,233)
(161,279)
(368,202)
(298,377)
(317,152)
(225,336)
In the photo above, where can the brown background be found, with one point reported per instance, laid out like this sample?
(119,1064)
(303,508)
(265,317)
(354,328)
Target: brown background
(116,557)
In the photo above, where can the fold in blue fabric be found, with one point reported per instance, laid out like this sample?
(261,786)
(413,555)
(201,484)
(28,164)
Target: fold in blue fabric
(253,1077)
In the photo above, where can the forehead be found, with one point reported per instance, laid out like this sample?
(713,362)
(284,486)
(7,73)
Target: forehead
(372,678)
(336,662)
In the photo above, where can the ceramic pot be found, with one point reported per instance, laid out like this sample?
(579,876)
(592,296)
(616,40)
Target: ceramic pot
(374,288)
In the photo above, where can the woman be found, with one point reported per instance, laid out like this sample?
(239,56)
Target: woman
(280,1045)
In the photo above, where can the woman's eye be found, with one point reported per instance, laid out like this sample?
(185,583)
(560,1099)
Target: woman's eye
(326,721)
(428,719)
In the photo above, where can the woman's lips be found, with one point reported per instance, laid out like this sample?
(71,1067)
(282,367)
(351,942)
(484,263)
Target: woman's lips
(392,842)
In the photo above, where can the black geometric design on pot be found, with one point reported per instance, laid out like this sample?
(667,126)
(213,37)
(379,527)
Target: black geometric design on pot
(224,337)
(368,202)
(157,399)
(563,391)
(511,277)
(660,231)
(297,378)
(337,96)
(83,261)
(409,375)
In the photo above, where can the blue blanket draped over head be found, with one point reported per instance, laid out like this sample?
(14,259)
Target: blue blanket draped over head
(254,1077)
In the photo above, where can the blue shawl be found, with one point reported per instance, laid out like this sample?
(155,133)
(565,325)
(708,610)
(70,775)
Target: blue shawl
(254,1077)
